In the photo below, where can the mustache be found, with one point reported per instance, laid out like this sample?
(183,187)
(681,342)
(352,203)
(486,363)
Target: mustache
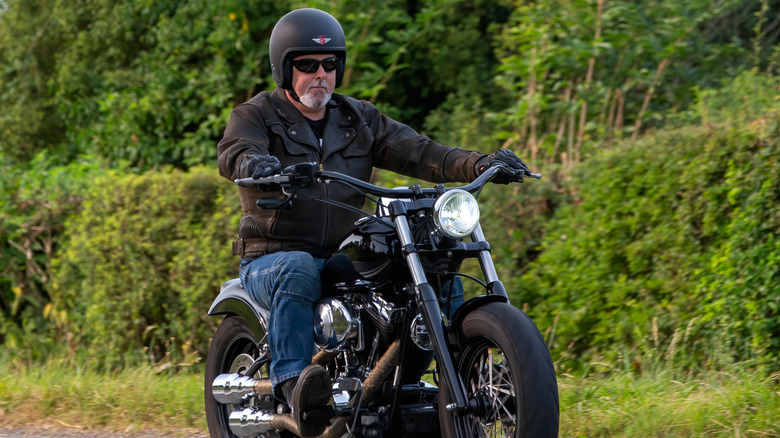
(320,83)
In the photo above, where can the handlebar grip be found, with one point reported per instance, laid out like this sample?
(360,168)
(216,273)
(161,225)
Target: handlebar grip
(265,182)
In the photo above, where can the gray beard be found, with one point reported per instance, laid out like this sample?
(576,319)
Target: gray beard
(314,101)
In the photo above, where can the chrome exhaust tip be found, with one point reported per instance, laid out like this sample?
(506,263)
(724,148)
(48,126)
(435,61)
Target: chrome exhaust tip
(250,422)
(234,388)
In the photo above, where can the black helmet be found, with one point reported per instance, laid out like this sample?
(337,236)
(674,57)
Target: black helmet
(305,31)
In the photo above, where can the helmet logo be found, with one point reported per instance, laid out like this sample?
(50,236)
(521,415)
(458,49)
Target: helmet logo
(321,39)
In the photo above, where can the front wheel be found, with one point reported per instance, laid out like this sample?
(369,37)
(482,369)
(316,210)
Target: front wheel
(508,375)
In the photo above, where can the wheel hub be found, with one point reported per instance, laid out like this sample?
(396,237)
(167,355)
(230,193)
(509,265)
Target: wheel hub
(241,363)
(480,406)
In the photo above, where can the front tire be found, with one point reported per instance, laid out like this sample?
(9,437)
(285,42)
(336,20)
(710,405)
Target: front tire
(509,377)
(232,350)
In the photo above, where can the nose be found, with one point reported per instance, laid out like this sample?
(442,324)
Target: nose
(320,73)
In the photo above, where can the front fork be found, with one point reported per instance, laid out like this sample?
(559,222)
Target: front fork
(429,303)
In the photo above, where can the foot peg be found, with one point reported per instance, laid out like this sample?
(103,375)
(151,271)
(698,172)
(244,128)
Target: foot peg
(320,415)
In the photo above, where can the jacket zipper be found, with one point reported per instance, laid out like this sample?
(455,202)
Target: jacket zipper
(327,207)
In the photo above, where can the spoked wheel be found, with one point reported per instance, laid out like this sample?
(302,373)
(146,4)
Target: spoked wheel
(490,388)
(233,350)
(508,375)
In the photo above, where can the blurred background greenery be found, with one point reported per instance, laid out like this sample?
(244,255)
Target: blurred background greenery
(652,241)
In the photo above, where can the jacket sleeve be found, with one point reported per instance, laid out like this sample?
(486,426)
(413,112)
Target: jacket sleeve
(245,137)
(399,148)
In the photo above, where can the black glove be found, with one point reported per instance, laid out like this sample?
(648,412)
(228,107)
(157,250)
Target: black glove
(261,166)
(508,158)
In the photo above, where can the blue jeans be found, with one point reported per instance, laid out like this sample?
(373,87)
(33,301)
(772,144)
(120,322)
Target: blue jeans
(288,284)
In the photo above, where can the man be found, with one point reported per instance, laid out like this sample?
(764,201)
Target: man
(283,252)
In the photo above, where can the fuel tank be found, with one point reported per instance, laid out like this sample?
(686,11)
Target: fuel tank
(375,251)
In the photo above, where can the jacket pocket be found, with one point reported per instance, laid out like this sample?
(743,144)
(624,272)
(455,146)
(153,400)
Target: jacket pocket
(290,147)
(359,146)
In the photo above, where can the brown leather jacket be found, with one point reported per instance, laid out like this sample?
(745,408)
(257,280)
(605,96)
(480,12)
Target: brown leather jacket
(356,138)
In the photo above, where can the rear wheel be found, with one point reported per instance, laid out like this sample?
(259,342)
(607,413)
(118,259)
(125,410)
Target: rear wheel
(233,350)
(508,375)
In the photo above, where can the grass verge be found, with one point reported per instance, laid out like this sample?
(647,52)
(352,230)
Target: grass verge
(129,401)
(742,403)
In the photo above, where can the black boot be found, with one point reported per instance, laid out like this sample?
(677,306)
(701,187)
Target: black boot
(286,389)
(312,392)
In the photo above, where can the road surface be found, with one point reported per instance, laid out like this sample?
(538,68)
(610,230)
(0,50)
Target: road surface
(74,432)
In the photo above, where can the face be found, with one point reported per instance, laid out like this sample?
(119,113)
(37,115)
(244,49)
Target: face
(314,89)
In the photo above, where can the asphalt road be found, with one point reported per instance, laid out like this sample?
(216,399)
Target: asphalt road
(73,432)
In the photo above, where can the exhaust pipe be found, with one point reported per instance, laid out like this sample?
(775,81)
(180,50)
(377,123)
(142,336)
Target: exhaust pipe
(371,387)
(252,422)
(232,388)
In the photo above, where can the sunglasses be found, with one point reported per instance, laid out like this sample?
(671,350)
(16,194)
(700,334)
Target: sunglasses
(312,65)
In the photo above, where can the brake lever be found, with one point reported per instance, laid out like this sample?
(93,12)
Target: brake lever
(520,174)
(533,175)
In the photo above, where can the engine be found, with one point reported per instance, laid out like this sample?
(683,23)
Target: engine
(341,321)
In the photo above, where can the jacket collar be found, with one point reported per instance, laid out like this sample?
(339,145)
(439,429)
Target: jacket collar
(339,123)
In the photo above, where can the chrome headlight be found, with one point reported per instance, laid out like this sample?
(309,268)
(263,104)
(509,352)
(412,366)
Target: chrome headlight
(456,214)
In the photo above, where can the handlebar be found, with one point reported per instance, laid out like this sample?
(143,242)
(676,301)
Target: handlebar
(305,174)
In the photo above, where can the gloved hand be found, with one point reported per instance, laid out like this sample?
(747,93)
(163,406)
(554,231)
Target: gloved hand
(507,157)
(261,166)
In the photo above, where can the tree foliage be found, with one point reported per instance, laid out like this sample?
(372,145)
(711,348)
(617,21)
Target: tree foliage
(583,73)
(153,82)
(145,81)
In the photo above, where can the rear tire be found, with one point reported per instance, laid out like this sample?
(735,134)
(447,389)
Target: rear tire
(507,371)
(232,350)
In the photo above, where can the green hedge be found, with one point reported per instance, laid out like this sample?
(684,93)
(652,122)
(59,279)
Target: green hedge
(35,200)
(141,264)
(670,253)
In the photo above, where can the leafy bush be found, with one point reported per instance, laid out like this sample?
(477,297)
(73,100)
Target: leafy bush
(142,262)
(673,240)
(35,200)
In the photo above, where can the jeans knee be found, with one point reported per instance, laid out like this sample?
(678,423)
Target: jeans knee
(297,262)
(299,277)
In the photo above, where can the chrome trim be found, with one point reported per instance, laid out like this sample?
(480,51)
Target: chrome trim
(485,261)
(250,422)
(336,322)
(412,258)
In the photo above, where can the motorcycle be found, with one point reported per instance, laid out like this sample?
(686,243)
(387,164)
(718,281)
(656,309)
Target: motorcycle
(401,363)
